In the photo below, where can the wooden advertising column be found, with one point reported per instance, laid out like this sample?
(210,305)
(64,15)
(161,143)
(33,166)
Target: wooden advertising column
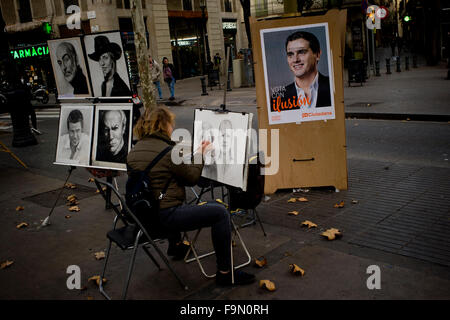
(312,153)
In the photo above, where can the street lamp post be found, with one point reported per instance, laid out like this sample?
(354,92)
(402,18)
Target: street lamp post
(205,36)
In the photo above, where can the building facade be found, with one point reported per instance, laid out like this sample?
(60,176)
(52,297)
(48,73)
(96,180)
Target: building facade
(184,31)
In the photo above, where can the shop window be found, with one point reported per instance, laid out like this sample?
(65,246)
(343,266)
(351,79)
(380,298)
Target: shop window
(126,4)
(68,3)
(24,11)
(187,5)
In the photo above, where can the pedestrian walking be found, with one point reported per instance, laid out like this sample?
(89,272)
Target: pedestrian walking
(169,77)
(155,72)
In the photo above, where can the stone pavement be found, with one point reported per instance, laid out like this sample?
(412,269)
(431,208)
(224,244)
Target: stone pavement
(395,215)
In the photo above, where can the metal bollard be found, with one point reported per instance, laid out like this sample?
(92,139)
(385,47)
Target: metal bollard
(377,68)
(414,61)
(388,66)
(203,80)
(406,63)
(398,64)
(228,83)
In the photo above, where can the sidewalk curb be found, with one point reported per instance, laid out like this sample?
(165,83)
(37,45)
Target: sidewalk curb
(399,116)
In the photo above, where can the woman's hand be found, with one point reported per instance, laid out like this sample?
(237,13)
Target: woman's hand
(203,148)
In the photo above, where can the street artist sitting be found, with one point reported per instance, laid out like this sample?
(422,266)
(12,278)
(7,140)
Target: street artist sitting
(153,130)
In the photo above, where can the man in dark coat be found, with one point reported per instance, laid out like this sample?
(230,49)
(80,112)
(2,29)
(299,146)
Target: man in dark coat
(106,54)
(310,89)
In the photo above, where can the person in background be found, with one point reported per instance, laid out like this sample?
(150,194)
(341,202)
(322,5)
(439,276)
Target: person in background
(155,72)
(169,77)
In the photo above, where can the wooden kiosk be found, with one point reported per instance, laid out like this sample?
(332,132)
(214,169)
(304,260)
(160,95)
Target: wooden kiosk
(311,153)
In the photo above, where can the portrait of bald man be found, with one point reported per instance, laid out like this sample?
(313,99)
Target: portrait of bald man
(69,67)
(113,136)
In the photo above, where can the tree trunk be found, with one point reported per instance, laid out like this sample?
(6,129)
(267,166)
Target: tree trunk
(246,7)
(140,42)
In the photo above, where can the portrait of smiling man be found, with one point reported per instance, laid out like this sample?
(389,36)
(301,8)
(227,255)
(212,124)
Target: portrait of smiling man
(303,55)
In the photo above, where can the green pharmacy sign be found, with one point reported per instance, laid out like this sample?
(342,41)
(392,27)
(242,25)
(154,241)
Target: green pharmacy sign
(35,51)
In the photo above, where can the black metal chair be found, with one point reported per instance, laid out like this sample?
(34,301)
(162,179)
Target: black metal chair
(129,237)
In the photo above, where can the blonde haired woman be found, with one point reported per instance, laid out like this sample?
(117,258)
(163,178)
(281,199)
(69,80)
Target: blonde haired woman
(153,130)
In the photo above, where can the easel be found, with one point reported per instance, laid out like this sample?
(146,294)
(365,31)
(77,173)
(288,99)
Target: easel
(7,150)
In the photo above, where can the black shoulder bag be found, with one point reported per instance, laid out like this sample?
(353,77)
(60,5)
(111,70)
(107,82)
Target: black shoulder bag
(141,199)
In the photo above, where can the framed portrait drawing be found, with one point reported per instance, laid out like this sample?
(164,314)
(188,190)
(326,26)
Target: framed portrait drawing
(298,73)
(226,158)
(107,65)
(74,135)
(112,136)
(69,68)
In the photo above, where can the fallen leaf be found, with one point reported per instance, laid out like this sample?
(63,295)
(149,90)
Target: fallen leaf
(221,202)
(6,264)
(261,262)
(292,200)
(97,191)
(91,180)
(302,199)
(309,224)
(73,203)
(69,185)
(332,234)
(100,255)
(267,284)
(22,225)
(202,203)
(293,213)
(97,279)
(74,208)
(71,198)
(339,205)
(287,254)
(186,242)
(20,208)
(355,201)
(68,216)
(296,270)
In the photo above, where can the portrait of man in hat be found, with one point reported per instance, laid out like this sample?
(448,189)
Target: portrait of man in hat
(108,54)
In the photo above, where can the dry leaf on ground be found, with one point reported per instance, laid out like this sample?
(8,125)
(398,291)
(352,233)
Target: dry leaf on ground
(91,180)
(100,255)
(69,185)
(355,201)
(97,279)
(68,216)
(339,205)
(309,224)
(73,203)
(186,242)
(6,264)
(20,208)
(302,199)
(74,209)
(22,225)
(332,234)
(293,213)
(267,284)
(292,200)
(260,262)
(295,269)
(71,198)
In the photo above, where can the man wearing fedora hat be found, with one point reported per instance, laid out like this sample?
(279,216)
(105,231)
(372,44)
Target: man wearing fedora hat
(106,54)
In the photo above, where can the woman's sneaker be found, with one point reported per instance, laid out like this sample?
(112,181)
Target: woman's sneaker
(240,278)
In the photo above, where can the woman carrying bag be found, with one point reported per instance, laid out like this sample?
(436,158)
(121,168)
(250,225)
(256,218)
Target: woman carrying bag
(169,77)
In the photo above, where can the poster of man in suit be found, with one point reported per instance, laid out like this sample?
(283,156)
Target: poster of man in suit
(298,73)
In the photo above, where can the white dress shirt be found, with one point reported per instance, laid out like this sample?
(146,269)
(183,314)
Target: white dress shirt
(314,87)
(81,154)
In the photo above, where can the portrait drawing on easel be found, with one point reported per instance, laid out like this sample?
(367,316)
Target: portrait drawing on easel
(69,68)
(225,158)
(112,136)
(75,135)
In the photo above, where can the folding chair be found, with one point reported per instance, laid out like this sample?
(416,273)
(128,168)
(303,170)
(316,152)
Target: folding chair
(129,237)
(198,257)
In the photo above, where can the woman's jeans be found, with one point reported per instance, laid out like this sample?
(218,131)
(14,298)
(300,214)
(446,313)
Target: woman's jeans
(171,84)
(193,217)
(158,87)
